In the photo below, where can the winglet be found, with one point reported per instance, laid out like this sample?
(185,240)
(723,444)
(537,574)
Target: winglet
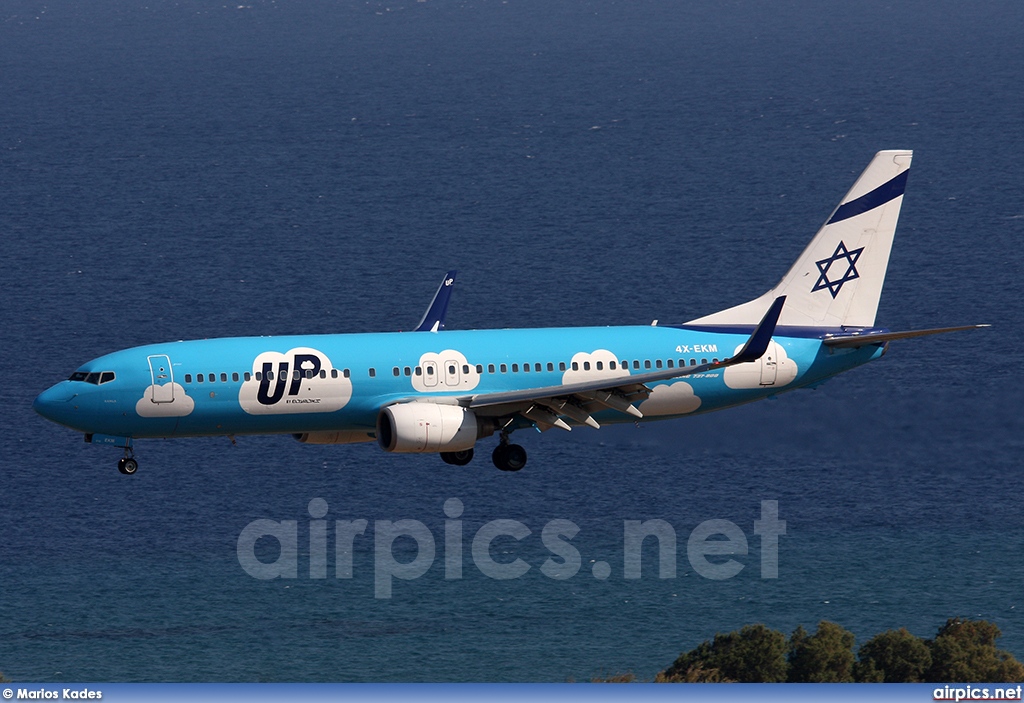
(433,318)
(758,342)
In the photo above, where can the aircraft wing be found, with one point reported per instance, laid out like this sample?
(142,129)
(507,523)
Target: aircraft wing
(433,318)
(853,341)
(578,401)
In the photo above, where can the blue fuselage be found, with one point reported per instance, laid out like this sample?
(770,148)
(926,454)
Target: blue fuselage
(297,384)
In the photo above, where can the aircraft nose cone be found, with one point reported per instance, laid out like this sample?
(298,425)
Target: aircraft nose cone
(53,402)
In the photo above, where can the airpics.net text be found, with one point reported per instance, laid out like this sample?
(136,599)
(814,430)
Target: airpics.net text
(721,540)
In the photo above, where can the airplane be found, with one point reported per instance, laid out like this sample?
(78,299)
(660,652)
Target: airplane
(440,391)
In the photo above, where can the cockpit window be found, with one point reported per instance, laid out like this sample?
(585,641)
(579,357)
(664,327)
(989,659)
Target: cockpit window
(95,378)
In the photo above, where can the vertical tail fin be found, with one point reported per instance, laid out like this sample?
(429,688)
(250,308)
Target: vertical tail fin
(838,278)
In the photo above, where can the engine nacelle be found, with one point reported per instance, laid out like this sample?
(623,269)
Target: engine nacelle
(426,427)
(340,437)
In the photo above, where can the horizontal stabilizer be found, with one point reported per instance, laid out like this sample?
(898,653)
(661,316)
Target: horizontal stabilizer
(433,318)
(853,341)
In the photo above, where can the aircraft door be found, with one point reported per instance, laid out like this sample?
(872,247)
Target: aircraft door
(429,374)
(162,388)
(451,372)
(770,365)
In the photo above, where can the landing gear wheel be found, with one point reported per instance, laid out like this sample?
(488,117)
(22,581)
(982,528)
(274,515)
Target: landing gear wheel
(127,465)
(458,458)
(509,457)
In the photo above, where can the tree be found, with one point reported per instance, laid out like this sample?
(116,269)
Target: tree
(755,654)
(964,651)
(824,657)
(894,656)
(695,674)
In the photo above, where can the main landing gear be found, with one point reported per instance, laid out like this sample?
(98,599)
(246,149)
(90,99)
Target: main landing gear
(127,464)
(508,457)
(458,458)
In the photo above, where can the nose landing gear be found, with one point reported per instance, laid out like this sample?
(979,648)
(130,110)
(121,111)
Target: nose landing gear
(127,464)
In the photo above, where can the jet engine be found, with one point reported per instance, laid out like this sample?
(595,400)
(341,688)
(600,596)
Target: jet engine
(427,427)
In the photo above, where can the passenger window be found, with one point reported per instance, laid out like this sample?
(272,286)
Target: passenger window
(346,373)
(408,371)
(430,370)
(625,364)
(586,366)
(396,371)
(647,363)
(418,370)
(504,368)
(296,374)
(323,373)
(188,378)
(715,360)
(309,373)
(259,376)
(465,368)
(479,368)
(199,378)
(334,373)
(693,362)
(248,376)
(490,368)
(526,368)
(451,369)
(223,378)
(703,361)
(373,373)
(515,368)
(213,378)
(575,366)
(636,364)
(234,377)
(611,365)
(657,363)
(600,366)
(670,363)
(537,368)
(561,366)
(551,367)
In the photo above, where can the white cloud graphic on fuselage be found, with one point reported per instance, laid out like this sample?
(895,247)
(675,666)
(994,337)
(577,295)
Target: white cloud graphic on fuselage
(670,399)
(773,370)
(446,370)
(279,392)
(593,365)
(167,400)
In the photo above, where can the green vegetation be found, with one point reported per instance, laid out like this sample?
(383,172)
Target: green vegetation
(962,651)
(755,653)
(4,679)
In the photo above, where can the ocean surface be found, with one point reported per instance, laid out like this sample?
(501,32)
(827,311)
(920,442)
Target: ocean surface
(197,169)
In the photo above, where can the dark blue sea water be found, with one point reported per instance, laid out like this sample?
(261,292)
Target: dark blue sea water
(195,169)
